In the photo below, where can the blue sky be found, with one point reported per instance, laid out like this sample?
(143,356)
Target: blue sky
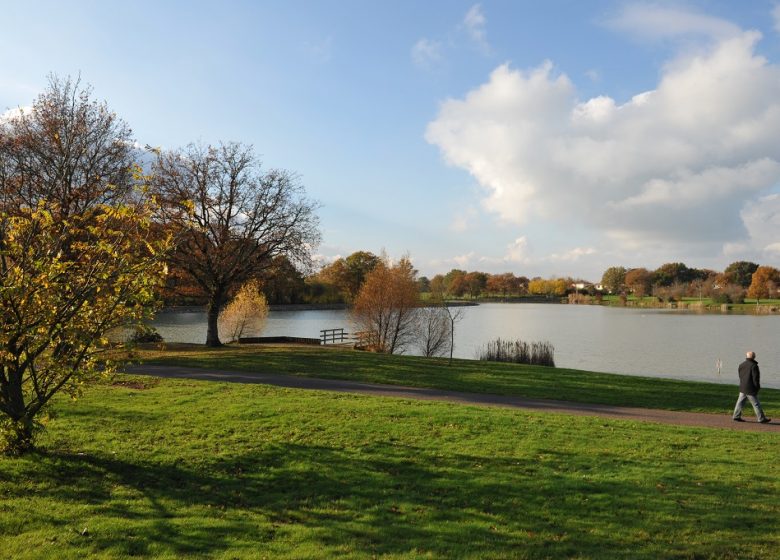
(541,138)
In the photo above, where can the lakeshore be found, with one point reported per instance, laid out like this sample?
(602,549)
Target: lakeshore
(673,343)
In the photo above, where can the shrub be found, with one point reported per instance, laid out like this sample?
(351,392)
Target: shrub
(721,298)
(519,352)
(145,333)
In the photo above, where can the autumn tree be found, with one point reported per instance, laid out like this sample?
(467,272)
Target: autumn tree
(348,274)
(67,150)
(764,283)
(549,288)
(246,313)
(674,273)
(740,273)
(614,279)
(438,286)
(496,284)
(282,282)
(455,282)
(231,218)
(386,305)
(505,284)
(475,283)
(79,255)
(639,281)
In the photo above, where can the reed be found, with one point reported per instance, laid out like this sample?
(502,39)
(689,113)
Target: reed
(518,352)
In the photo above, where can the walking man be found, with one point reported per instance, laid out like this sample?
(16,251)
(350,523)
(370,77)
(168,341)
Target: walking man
(749,385)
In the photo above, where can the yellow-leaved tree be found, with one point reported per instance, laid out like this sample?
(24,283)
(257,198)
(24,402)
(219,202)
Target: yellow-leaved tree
(245,314)
(80,254)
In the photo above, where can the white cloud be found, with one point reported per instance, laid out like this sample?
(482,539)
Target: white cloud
(475,24)
(426,53)
(762,221)
(463,261)
(572,255)
(674,165)
(518,251)
(650,21)
(15,112)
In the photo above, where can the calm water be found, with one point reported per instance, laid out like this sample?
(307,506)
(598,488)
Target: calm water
(661,343)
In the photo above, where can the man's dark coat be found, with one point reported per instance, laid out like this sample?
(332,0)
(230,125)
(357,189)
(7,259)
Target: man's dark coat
(749,377)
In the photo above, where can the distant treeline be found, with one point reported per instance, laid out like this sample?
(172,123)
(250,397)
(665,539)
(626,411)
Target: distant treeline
(340,281)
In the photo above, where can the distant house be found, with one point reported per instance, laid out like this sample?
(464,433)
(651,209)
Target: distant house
(586,286)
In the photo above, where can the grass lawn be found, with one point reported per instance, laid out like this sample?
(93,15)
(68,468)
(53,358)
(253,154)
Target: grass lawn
(466,375)
(186,469)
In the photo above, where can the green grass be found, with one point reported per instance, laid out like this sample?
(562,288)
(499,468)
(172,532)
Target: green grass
(466,376)
(185,469)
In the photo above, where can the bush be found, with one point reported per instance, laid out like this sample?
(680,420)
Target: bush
(145,333)
(721,299)
(519,352)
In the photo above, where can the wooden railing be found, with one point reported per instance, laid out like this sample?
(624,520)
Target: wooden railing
(334,336)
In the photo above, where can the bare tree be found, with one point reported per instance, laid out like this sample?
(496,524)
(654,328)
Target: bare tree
(454,316)
(433,330)
(67,150)
(231,219)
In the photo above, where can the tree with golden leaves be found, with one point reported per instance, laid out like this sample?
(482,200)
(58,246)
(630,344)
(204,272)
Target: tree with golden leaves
(245,314)
(764,284)
(78,254)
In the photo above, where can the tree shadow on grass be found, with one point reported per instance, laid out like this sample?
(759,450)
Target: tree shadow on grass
(401,500)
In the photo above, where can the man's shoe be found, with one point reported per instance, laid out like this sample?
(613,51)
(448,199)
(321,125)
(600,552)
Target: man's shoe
(765,421)
(738,419)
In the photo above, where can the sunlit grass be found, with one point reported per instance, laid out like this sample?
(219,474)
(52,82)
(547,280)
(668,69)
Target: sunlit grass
(180,469)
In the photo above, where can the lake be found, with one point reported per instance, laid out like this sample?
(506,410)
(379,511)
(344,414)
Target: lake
(653,342)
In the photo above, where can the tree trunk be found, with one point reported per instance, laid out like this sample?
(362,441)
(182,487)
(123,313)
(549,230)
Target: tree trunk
(452,336)
(212,332)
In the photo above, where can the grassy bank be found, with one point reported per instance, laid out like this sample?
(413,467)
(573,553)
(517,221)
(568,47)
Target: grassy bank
(173,469)
(763,306)
(464,375)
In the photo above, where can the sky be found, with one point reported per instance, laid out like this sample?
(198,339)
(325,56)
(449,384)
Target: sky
(553,138)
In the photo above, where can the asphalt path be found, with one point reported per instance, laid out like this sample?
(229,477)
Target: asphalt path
(479,399)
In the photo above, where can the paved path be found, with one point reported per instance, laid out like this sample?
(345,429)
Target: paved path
(583,409)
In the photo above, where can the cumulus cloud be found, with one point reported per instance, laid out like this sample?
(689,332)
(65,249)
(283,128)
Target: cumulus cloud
(518,251)
(673,165)
(426,53)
